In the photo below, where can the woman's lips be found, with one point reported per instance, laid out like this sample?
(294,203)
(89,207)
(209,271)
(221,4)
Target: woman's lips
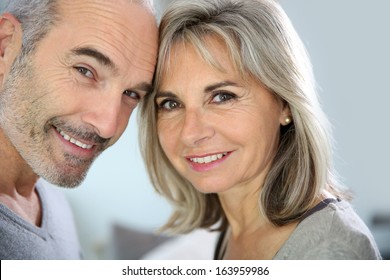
(208,161)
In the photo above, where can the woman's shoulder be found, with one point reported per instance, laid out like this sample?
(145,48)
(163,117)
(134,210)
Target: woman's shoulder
(336,219)
(333,232)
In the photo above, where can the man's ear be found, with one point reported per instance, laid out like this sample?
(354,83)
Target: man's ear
(10,43)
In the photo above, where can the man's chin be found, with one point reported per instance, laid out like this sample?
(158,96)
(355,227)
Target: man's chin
(66,179)
(69,172)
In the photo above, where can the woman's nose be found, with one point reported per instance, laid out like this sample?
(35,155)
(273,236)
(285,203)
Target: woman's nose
(196,128)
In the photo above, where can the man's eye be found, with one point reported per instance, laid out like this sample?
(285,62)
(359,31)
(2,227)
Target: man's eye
(132,94)
(84,71)
(169,105)
(222,97)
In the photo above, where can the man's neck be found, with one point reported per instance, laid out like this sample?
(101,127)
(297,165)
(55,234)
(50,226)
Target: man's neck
(17,184)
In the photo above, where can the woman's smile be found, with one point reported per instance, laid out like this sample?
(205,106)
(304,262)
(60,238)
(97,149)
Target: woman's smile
(207,162)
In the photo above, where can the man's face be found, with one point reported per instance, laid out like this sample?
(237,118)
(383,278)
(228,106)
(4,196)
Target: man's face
(73,97)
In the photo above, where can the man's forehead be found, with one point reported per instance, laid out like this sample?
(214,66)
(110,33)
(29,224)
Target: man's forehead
(148,4)
(121,30)
(130,13)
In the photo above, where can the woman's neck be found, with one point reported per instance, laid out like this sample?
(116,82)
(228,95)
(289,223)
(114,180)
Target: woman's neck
(242,209)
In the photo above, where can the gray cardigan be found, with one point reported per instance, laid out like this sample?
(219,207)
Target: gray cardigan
(334,232)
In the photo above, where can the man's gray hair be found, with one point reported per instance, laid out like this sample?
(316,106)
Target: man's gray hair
(36,18)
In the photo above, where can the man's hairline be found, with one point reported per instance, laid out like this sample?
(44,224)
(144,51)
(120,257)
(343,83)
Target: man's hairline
(58,16)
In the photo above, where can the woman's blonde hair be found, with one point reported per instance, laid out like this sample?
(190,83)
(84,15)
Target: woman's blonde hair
(262,44)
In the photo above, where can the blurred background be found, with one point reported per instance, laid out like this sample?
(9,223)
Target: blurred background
(116,208)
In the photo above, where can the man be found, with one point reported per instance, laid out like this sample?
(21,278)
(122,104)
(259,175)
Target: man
(71,73)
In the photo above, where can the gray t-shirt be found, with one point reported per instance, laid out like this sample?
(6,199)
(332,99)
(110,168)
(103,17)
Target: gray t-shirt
(334,232)
(55,239)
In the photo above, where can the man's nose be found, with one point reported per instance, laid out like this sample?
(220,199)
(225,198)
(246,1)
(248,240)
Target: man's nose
(104,115)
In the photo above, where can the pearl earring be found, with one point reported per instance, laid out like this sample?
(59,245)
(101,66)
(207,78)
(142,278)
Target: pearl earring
(287,120)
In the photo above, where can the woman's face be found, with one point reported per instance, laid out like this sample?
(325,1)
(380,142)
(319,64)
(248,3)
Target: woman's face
(219,131)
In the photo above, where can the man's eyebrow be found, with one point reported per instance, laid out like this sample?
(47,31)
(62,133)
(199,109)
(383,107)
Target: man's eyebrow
(91,52)
(146,87)
(218,85)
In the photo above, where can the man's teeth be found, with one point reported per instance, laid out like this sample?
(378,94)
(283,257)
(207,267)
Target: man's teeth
(208,159)
(74,141)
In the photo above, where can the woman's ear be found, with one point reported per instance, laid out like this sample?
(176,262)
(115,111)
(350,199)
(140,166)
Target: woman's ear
(10,43)
(285,116)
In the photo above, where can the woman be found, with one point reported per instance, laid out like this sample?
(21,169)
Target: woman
(233,135)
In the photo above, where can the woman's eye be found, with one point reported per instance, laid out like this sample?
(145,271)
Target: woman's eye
(84,71)
(169,105)
(132,94)
(222,97)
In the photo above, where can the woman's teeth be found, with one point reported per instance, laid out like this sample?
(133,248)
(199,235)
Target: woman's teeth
(208,159)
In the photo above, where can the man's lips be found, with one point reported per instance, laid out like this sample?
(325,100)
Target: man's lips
(73,140)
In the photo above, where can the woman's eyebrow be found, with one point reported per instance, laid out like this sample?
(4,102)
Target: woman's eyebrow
(218,85)
(170,94)
(207,89)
